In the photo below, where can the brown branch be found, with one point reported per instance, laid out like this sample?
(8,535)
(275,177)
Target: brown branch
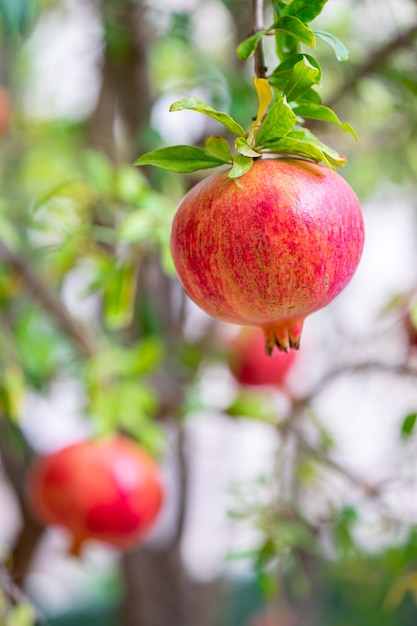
(15,595)
(15,455)
(369,490)
(51,303)
(258,25)
(183,484)
(374,61)
(398,369)
(289,425)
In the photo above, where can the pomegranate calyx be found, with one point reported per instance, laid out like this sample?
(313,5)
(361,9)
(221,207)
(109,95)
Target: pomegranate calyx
(75,546)
(283,335)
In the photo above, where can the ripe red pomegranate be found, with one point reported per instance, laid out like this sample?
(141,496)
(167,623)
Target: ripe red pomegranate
(108,490)
(249,364)
(269,248)
(5,111)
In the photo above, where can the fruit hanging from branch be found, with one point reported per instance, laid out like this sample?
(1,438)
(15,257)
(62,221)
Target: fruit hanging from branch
(106,490)
(278,234)
(270,250)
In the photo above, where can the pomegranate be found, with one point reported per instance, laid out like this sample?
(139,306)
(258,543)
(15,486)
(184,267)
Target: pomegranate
(5,111)
(108,490)
(269,248)
(249,364)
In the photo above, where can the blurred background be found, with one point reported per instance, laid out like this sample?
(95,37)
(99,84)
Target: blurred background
(286,504)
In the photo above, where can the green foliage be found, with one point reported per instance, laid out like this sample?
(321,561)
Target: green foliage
(340,50)
(294,100)
(322,113)
(294,27)
(408,425)
(194,104)
(304,10)
(241,165)
(277,123)
(252,405)
(180,159)
(248,46)
(119,396)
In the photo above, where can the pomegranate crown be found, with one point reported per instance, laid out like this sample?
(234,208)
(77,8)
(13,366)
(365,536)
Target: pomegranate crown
(286,97)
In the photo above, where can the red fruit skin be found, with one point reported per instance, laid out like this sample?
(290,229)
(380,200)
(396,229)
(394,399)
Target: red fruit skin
(5,111)
(269,248)
(107,490)
(250,365)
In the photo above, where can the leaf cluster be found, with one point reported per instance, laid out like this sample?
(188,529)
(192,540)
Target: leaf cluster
(286,98)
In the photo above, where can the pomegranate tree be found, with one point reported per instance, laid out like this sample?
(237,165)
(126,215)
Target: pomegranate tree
(108,490)
(278,234)
(249,364)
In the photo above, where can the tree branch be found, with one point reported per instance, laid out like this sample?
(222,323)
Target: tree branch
(375,60)
(400,369)
(52,304)
(258,25)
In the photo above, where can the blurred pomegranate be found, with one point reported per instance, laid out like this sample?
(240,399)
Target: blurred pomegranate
(5,111)
(107,490)
(251,366)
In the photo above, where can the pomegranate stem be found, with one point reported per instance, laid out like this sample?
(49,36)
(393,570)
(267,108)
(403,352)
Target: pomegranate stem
(258,24)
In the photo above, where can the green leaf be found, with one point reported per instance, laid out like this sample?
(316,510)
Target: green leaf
(253,406)
(218,147)
(322,113)
(286,46)
(295,147)
(194,104)
(279,120)
(282,73)
(303,134)
(294,27)
(343,526)
(243,147)
(119,296)
(248,46)
(301,79)
(180,159)
(407,427)
(305,10)
(99,172)
(311,96)
(340,50)
(241,165)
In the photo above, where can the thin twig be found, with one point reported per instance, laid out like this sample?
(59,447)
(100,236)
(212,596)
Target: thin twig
(399,369)
(374,61)
(368,489)
(258,25)
(183,483)
(50,302)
